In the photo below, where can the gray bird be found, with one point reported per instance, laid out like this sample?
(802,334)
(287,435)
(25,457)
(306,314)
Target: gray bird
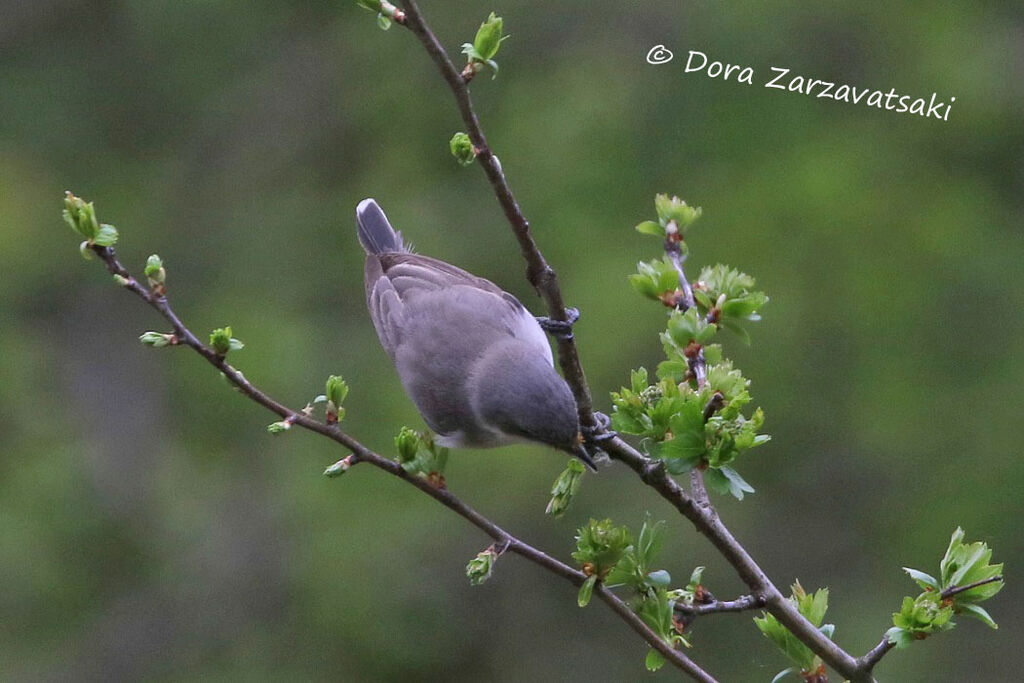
(475,362)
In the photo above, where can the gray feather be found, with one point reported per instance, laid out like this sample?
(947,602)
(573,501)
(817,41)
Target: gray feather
(375,231)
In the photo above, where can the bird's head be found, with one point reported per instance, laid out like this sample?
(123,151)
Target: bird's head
(520,394)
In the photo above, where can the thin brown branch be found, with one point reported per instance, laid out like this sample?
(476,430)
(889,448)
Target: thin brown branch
(360,453)
(957,590)
(875,654)
(740,604)
(673,248)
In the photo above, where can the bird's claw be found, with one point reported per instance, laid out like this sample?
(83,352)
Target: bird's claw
(562,329)
(599,431)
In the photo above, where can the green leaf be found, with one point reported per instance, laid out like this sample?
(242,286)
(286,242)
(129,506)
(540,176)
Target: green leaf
(695,577)
(955,542)
(737,485)
(565,488)
(744,306)
(978,613)
(660,578)
(813,608)
(922,579)
(736,329)
(586,591)
(106,236)
(650,228)
(785,672)
(652,537)
(383,22)
(654,660)
(489,38)
(638,380)
(900,637)
(786,642)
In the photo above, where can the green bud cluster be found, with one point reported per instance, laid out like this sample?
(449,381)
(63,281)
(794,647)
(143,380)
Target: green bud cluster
(462,149)
(80,215)
(336,389)
(674,217)
(155,274)
(339,468)
(932,611)
(418,454)
(279,427)
(685,424)
(671,417)
(565,488)
(222,341)
(480,567)
(599,547)
(484,47)
(158,339)
(813,608)
(657,280)
(608,554)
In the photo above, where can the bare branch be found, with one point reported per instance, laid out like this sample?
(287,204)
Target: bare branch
(875,654)
(740,604)
(957,590)
(360,453)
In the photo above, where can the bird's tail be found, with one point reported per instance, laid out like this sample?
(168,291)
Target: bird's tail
(375,232)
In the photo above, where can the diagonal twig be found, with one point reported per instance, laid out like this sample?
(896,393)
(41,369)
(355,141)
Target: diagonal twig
(957,590)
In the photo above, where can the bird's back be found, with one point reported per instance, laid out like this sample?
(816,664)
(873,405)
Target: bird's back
(437,322)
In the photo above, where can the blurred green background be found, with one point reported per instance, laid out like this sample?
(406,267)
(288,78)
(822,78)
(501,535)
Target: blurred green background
(151,529)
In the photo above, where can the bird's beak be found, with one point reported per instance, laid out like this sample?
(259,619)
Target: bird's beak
(580,451)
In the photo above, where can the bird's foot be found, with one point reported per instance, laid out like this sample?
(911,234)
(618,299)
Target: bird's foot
(599,431)
(595,435)
(561,329)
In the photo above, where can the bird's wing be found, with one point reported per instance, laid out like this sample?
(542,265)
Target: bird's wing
(394,280)
(411,272)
